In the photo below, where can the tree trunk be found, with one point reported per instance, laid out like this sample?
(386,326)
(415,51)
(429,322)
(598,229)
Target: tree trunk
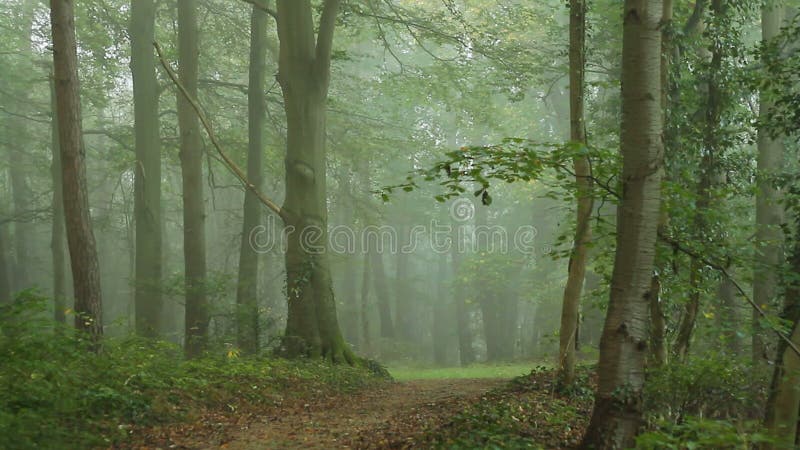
(658,326)
(147,184)
(191,156)
(465,351)
(5,285)
(570,310)
(247,286)
(404,298)
(382,294)
(708,176)
(658,330)
(617,410)
(57,232)
(366,341)
(312,328)
(18,164)
(80,237)
(783,403)
(769,211)
(440,314)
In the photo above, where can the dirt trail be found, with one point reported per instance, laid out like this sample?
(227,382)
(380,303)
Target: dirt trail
(390,416)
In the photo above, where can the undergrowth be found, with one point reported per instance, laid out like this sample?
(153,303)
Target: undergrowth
(56,394)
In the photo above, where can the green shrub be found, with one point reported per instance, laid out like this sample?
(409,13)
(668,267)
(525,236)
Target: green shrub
(702,434)
(711,386)
(56,394)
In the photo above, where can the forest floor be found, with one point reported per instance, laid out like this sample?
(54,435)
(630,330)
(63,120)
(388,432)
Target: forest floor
(419,413)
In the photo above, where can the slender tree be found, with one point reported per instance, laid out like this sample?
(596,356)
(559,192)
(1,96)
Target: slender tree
(247,286)
(769,211)
(570,309)
(18,161)
(147,171)
(312,328)
(80,237)
(57,232)
(623,346)
(191,156)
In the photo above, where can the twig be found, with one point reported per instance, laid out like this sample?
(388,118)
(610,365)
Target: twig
(226,159)
(719,268)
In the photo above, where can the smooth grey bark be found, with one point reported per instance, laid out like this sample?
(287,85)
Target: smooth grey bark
(247,320)
(80,236)
(312,328)
(769,210)
(617,412)
(191,156)
(570,309)
(147,171)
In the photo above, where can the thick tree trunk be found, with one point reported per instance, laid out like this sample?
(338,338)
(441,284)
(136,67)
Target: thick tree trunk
(382,294)
(783,403)
(312,328)
(617,410)
(769,211)
(191,156)
(570,309)
(57,232)
(247,286)
(80,237)
(147,185)
(658,326)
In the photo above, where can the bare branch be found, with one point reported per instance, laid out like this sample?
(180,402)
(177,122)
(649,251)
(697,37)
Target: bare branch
(237,171)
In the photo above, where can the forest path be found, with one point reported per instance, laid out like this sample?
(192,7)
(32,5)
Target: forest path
(385,416)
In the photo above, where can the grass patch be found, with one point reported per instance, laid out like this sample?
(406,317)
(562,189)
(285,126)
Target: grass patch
(474,371)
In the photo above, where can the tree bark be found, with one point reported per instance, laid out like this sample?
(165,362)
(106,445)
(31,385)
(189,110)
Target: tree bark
(404,297)
(465,351)
(783,403)
(570,309)
(147,172)
(57,232)
(769,211)
(18,164)
(440,314)
(247,285)
(191,156)
(312,328)
(617,410)
(382,294)
(366,341)
(80,237)
(708,176)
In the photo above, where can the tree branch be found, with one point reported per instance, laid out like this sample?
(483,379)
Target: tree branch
(237,171)
(263,7)
(327,23)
